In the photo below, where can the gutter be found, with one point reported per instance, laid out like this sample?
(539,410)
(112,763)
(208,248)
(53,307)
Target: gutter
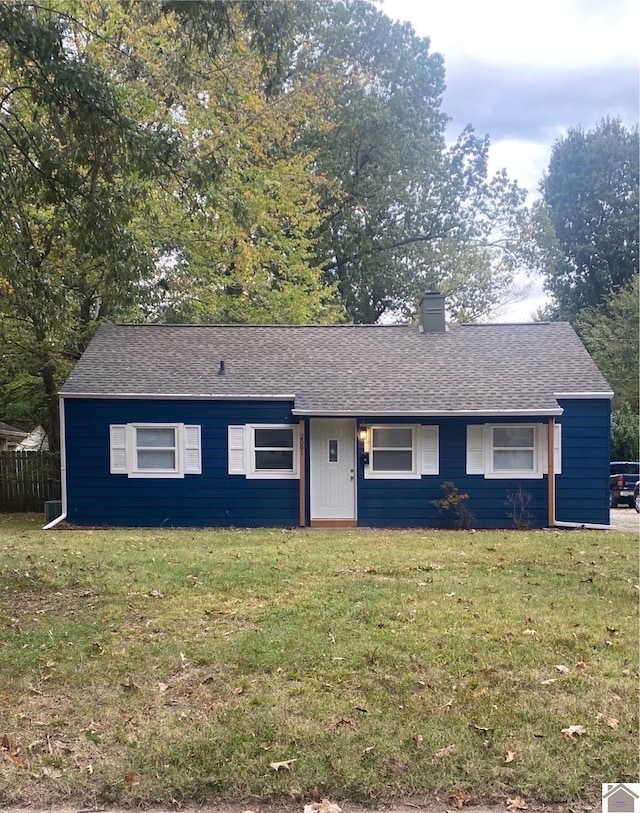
(588,526)
(63,472)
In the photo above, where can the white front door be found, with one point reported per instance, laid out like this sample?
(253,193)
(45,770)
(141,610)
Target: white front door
(333,469)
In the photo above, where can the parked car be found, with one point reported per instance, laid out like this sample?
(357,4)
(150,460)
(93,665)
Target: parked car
(636,496)
(624,475)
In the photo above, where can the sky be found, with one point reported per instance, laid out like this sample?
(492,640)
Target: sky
(524,72)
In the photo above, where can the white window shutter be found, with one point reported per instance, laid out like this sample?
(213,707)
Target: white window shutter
(475,449)
(430,453)
(192,450)
(557,450)
(236,445)
(118,449)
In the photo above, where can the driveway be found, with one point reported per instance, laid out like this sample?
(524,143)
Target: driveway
(625,519)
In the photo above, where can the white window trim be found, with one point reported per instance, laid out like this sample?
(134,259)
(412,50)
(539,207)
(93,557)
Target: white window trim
(241,452)
(480,451)
(414,474)
(132,449)
(123,451)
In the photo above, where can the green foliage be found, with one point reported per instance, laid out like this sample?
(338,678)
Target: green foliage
(590,192)
(452,507)
(625,434)
(610,334)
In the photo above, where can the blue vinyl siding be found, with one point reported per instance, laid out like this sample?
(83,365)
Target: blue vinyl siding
(406,503)
(214,498)
(582,490)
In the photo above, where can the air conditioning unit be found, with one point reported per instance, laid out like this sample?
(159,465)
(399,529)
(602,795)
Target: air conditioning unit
(52,510)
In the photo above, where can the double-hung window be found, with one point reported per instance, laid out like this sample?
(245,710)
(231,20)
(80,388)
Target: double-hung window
(513,450)
(155,450)
(264,451)
(401,451)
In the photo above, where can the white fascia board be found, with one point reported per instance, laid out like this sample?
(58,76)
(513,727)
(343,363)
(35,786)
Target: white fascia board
(171,396)
(583,396)
(589,526)
(467,413)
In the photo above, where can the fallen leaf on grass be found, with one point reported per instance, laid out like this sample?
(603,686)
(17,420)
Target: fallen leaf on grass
(460,798)
(572,731)
(51,773)
(132,778)
(162,688)
(395,765)
(611,722)
(130,685)
(562,668)
(548,682)
(238,690)
(345,721)
(286,763)
(418,739)
(510,756)
(475,727)
(324,806)
(517,803)
(6,745)
(449,751)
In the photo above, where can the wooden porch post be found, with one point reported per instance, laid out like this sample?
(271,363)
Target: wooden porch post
(302,468)
(551,475)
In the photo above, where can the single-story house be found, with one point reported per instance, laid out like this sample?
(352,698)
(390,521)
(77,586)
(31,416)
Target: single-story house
(341,425)
(10,437)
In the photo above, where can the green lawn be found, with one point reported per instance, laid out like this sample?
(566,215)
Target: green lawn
(144,666)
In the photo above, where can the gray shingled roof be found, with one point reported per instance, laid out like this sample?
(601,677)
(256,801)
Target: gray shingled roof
(345,369)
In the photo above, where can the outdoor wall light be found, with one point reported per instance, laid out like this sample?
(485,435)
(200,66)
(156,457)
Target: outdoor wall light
(362,434)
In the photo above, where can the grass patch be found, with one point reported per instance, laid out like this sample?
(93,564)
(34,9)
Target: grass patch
(141,666)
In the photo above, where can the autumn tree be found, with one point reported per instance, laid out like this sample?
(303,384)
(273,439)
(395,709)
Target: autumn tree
(405,213)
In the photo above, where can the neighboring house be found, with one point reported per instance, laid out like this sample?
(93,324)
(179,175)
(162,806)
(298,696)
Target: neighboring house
(236,425)
(10,437)
(35,441)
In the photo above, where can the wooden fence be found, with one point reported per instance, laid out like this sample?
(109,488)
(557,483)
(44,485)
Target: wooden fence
(28,480)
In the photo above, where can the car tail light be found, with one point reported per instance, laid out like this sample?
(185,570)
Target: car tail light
(620,480)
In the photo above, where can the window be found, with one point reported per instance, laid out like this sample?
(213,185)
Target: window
(155,450)
(401,451)
(263,451)
(392,449)
(511,450)
(272,449)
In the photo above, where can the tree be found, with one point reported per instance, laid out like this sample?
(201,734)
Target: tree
(405,213)
(590,192)
(89,155)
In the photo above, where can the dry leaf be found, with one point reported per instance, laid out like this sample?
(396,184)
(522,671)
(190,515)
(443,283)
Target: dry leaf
(449,751)
(324,806)
(611,722)
(395,765)
(162,687)
(510,756)
(345,721)
(517,803)
(581,665)
(238,690)
(286,763)
(418,739)
(569,733)
(482,728)
(253,810)
(130,685)
(6,745)
(460,798)
(548,682)
(154,594)
(132,778)
(562,668)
